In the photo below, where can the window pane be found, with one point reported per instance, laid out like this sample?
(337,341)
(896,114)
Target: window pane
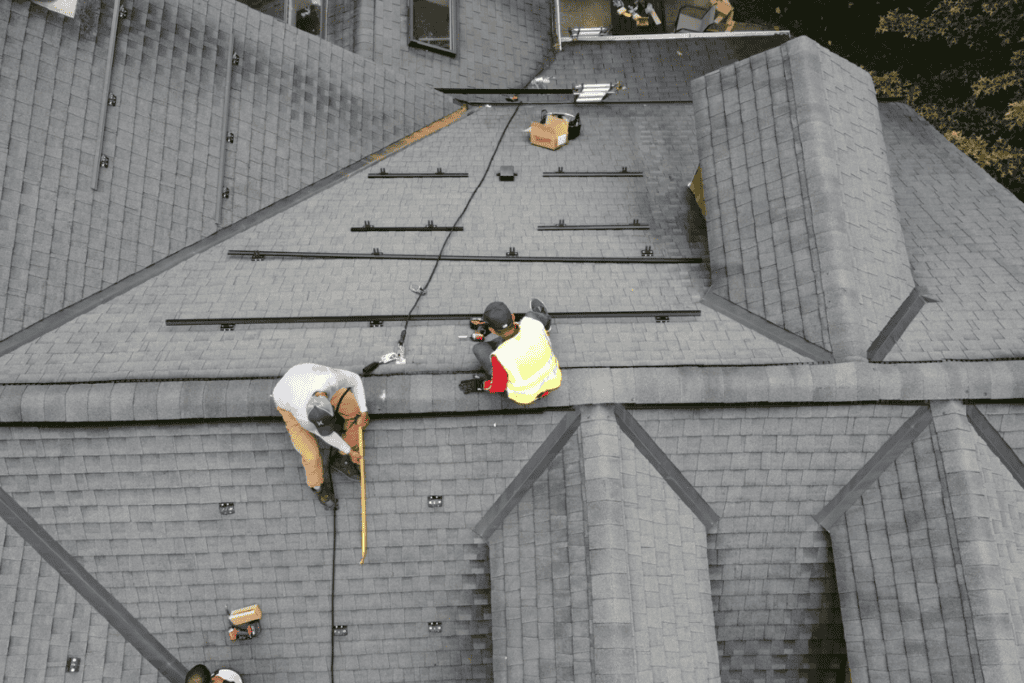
(307,16)
(430,23)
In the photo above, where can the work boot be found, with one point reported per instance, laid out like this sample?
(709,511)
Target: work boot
(468,386)
(537,306)
(343,463)
(325,496)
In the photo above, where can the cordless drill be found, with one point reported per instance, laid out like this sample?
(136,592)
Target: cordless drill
(479,328)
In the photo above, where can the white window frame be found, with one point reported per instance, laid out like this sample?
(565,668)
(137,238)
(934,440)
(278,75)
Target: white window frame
(452,29)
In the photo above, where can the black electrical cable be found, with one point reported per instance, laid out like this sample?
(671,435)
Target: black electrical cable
(423,290)
(334,567)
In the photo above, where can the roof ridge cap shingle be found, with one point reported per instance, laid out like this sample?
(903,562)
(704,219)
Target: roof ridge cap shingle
(846,331)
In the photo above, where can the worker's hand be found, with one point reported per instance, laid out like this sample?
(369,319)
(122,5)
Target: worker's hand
(355,456)
(364,419)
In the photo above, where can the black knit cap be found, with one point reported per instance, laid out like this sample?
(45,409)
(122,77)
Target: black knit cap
(498,316)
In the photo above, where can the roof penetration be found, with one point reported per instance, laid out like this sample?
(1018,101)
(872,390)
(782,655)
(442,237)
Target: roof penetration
(802,222)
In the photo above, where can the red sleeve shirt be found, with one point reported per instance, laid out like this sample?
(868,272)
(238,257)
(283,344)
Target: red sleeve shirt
(499,377)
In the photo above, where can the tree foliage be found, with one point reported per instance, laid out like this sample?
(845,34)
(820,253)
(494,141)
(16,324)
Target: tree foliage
(972,87)
(958,63)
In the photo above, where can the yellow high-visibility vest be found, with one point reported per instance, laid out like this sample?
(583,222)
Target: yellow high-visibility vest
(529,361)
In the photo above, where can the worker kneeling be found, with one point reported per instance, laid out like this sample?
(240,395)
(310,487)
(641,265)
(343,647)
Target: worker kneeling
(331,403)
(519,360)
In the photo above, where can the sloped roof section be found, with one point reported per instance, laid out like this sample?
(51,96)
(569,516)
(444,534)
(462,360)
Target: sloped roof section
(802,224)
(601,570)
(963,237)
(108,341)
(651,70)
(299,109)
(766,471)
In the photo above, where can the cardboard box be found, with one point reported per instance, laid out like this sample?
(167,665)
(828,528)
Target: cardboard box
(246,615)
(552,135)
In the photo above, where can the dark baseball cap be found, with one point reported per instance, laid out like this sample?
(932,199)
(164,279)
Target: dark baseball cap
(498,316)
(321,413)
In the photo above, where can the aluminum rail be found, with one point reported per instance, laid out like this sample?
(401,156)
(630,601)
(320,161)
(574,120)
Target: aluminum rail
(597,226)
(102,128)
(426,228)
(624,173)
(383,174)
(506,91)
(178,322)
(224,131)
(257,255)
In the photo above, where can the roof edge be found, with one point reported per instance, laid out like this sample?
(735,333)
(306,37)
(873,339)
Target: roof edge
(403,394)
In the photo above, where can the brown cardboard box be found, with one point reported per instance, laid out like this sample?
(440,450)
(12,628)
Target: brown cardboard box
(246,615)
(552,135)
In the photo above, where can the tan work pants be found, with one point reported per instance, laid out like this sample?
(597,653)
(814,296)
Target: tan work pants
(306,443)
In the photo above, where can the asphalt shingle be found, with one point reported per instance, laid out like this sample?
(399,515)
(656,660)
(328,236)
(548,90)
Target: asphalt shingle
(293,121)
(961,229)
(799,201)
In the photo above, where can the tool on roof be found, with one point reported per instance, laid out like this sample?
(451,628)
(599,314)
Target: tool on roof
(479,328)
(396,357)
(245,622)
(362,489)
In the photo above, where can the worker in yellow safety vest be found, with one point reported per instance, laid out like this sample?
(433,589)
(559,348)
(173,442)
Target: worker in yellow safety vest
(519,360)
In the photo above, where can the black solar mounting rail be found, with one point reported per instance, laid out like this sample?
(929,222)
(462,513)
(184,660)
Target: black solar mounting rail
(635,225)
(507,91)
(429,227)
(624,173)
(258,255)
(437,174)
(421,317)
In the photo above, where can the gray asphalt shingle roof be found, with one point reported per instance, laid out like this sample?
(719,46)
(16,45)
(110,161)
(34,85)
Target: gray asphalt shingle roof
(300,109)
(651,70)
(601,572)
(963,234)
(802,224)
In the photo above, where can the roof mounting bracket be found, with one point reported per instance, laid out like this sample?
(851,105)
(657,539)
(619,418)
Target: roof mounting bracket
(256,256)
(227,508)
(511,252)
(227,327)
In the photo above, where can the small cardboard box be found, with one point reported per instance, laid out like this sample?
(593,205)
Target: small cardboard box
(552,135)
(246,615)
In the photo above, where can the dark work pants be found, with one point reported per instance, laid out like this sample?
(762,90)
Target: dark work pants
(483,350)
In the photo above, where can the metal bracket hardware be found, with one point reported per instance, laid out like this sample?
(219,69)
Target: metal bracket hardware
(647,251)
(435,501)
(376,323)
(512,252)
(74,663)
(123,13)
(377,252)
(418,291)
(340,630)
(257,256)
(226,194)
(507,173)
(661,318)
(434,626)
(430,224)
(227,508)
(104,161)
(231,138)
(236,60)
(112,100)
(227,327)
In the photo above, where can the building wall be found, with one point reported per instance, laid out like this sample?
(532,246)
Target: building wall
(301,108)
(501,43)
